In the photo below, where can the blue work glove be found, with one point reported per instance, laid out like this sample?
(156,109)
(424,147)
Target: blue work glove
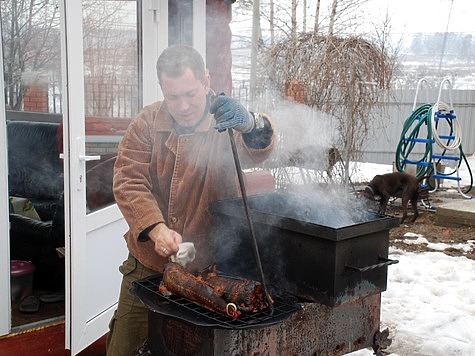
(228,112)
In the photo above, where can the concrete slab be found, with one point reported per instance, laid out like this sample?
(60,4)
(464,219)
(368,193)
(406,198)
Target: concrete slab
(456,212)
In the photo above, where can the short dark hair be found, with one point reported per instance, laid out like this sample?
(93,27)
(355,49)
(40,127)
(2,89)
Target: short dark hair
(175,59)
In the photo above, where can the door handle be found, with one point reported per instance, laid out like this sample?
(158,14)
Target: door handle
(80,148)
(84,158)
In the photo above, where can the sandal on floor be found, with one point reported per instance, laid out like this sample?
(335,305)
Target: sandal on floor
(30,304)
(52,297)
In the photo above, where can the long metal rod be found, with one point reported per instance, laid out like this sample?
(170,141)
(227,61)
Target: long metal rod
(248,217)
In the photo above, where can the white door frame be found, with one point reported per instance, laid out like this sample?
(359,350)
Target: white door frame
(73,97)
(94,244)
(155,40)
(199,27)
(5,303)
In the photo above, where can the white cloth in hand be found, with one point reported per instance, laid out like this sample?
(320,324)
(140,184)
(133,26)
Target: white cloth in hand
(186,254)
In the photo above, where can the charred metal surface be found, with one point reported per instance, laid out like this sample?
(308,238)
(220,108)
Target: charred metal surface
(317,329)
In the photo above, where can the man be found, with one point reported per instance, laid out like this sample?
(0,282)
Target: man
(172,162)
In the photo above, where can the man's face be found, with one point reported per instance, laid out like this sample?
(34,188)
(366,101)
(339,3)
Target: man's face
(185,96)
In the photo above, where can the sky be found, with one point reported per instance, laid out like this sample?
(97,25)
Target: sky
(412,16)
(429,304)
(407,16)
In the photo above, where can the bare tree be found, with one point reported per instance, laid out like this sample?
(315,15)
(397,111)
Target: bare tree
(317,16)
(345,16)
(281,17)
(107,55)
(332,18)
(293,20)
(346,78)
(30,36)
(31,40)
(271,22)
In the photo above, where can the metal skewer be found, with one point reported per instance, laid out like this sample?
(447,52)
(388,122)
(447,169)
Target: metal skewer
(248,217)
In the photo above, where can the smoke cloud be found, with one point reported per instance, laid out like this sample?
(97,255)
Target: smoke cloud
(305,135)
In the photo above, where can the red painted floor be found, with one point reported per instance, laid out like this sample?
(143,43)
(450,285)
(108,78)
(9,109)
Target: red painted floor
(46,341)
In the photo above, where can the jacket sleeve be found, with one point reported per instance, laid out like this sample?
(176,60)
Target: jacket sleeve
(261,136)
(132,181)
(256,146)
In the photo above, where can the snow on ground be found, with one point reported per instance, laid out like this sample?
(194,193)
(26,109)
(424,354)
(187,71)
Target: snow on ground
(365,171)
(419,239)
(429,304)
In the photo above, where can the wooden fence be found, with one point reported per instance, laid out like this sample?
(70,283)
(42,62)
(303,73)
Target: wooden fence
(381,145)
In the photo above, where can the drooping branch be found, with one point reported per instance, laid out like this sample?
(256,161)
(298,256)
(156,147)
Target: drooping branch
(343,77)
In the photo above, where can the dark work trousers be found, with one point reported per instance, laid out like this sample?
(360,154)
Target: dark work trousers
(129,326)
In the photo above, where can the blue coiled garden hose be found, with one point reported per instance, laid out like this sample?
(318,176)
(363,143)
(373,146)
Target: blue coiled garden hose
(410,136)
(421,118)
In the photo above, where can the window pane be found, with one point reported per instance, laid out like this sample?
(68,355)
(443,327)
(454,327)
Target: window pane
(111,88)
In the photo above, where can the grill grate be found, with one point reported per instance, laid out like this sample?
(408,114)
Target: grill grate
(177,307)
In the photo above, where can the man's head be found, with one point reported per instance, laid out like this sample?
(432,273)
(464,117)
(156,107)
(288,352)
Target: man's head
(185,83)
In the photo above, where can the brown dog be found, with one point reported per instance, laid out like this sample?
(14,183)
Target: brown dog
(397,184)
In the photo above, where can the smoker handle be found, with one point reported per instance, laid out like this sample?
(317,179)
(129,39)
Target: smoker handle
(386,262)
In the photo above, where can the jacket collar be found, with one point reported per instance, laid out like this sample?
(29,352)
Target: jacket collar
(165,121)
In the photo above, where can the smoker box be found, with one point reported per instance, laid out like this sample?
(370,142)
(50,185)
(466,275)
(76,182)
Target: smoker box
(317,252)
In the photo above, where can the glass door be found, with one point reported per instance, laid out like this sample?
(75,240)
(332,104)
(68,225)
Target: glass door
(31,169)
(101,96)
(104,81)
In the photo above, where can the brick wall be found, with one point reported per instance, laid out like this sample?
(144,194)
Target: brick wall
(36,98)
(295,90)
(108,126)
(99,131)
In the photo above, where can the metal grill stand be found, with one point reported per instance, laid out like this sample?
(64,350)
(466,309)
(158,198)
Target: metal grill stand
(317,329)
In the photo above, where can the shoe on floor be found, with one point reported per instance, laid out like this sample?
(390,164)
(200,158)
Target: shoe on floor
(30,304)
(52,297)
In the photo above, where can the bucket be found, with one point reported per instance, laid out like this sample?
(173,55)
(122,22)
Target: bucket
(21,279)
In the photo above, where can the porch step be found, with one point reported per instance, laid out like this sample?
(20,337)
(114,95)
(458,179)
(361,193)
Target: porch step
(457,213)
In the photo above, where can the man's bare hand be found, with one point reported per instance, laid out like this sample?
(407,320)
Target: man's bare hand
(166,240)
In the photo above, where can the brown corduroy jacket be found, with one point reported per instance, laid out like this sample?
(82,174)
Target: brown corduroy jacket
(160,176)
